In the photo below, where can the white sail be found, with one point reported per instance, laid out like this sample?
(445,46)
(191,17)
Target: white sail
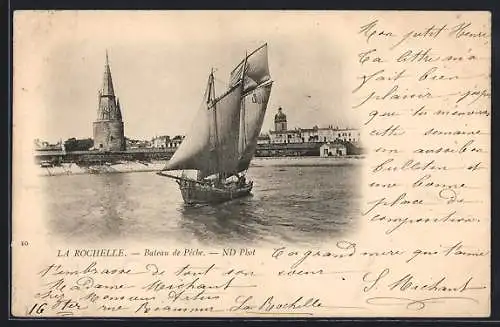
(223,137)
(211,146)
(257,69)
(253,111)
(227,122)
(193,151)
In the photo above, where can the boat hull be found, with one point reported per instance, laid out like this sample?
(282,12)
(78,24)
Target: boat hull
(194,193)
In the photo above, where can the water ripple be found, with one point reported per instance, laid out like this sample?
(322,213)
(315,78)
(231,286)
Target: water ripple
(306,204)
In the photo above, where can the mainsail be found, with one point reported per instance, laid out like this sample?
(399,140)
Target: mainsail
(254,106)
(257,89)
(211,146)
(223,137)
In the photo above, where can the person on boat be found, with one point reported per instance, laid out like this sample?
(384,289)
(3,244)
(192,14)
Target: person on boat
(241,180)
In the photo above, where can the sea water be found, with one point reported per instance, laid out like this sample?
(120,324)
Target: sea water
(293,201)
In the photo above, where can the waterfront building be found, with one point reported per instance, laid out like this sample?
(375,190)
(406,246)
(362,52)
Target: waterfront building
(40,145)
(332,149)
(316,134)
(137,144)
(176,141)
(281,134)
(291,136)
(108,127)
(329,134)
(160,142)
(165,142)
(280,121)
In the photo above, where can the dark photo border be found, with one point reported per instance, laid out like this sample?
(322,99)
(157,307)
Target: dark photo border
(7,8)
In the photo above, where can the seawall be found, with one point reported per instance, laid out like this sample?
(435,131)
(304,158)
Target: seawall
(123,167)
(129,167)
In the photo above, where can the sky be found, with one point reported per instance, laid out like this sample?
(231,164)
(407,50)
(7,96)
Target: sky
(160,63)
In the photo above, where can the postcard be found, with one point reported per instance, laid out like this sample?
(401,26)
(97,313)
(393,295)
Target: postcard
(251,164)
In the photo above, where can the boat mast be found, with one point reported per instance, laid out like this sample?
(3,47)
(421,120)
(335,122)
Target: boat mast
(211,90)
(243,115)
(242,112)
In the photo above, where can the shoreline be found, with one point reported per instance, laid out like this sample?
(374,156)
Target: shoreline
(133,167)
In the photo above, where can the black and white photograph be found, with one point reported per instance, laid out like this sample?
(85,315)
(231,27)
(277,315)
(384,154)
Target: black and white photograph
(251,164)
(250,127)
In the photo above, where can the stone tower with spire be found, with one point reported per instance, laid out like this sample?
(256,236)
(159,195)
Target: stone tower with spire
(108,127)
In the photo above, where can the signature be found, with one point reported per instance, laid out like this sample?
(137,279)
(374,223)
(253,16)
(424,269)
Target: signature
(409,282)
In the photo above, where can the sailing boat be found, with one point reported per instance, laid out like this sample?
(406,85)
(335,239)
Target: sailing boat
(223,138)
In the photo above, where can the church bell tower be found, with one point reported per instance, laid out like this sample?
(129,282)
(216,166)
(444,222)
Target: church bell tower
(280,121)
(108,127)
